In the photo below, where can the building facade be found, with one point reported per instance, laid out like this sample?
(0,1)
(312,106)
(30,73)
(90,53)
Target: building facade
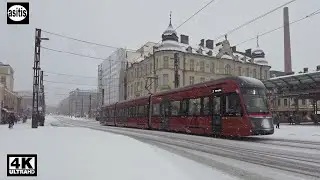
(79,103)
(159,70)
(26,101)
(7,76)
(111,73)
(110,70)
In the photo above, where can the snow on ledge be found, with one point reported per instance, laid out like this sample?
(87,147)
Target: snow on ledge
(81,154)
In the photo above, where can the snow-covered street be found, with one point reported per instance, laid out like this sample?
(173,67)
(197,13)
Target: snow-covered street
(72,153)
(279,156)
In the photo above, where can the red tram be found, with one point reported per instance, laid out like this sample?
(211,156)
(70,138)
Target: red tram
(232,106)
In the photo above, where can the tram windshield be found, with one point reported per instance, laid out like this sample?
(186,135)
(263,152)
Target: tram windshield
(255,100)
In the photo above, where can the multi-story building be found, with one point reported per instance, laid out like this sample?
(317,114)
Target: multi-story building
(158,70)
(111,73)
(79,103)
(26,101)
(7,76)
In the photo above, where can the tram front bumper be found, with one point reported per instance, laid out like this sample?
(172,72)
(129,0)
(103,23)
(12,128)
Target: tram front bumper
(262,126)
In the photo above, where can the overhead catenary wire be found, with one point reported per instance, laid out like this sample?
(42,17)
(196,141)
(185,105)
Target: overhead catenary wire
(76,54)
(70,75)
(184,22)
(83,41)
(58,82)
(280,27)
(254,19)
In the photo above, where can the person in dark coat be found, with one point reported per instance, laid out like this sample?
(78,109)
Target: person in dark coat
(11,119)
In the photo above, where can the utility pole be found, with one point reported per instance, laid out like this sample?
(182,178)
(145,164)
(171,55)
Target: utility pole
(176,70)
(89,113)
(36,73)
(41,99)
(82,106)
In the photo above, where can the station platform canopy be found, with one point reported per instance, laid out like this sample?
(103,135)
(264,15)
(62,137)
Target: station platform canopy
(304,85)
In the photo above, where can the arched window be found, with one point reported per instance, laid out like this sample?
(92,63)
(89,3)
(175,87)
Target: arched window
(254,73)
(227,69)
(239,71)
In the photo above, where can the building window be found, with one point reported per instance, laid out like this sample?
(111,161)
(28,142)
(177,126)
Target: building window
(239,71)
(165,79)
(227,69)
(303,102)
(146,69)
(212,67)
(141,85)
(166,62)
(265,74)
(254,73)
(279,102)
(191,65)
(247,72)
(202,79)
(3,80)
(191,80)
(285,102)
(150,70)
(202,69)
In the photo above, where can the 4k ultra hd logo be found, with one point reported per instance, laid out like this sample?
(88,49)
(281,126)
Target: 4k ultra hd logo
(17,13)
(22,165)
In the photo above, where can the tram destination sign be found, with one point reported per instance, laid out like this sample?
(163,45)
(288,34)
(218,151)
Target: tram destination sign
(217,90)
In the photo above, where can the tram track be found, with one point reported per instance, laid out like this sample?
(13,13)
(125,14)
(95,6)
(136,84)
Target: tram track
(304,164)
(256,139)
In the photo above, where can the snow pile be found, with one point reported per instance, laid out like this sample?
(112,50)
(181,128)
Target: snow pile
(297,132)
(69,153)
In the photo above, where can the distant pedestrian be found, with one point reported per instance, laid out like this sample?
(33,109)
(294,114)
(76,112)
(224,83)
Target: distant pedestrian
(11,120)
(277,121)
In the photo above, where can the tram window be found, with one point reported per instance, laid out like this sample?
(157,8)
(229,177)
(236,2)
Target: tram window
(131,112)
(216,105)
(184,107)
(112,113)
(106,113)
(175,108)
(134,112)
(232,105)
(206,106)
(194,107)
(156,109)
(125,112)
(141,111)
(148,110)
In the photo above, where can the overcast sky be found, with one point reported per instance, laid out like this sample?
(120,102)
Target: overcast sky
(128,23)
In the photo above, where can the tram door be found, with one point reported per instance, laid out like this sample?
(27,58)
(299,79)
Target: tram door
(164,114)
(216,114)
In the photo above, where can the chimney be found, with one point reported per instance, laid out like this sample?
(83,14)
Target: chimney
(248,52)
(234,48)
(318,68)
(287,44)
(209,44)
(201,43)
(184,39)
(305,70)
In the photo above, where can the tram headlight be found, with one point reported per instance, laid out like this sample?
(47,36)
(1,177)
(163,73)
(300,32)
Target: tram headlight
(265,123)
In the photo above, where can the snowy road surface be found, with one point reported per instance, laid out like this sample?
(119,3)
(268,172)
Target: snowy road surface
(251,158)
(71,153)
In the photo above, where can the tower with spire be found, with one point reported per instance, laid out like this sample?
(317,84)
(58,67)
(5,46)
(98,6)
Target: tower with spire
(258,54)
(170,33)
